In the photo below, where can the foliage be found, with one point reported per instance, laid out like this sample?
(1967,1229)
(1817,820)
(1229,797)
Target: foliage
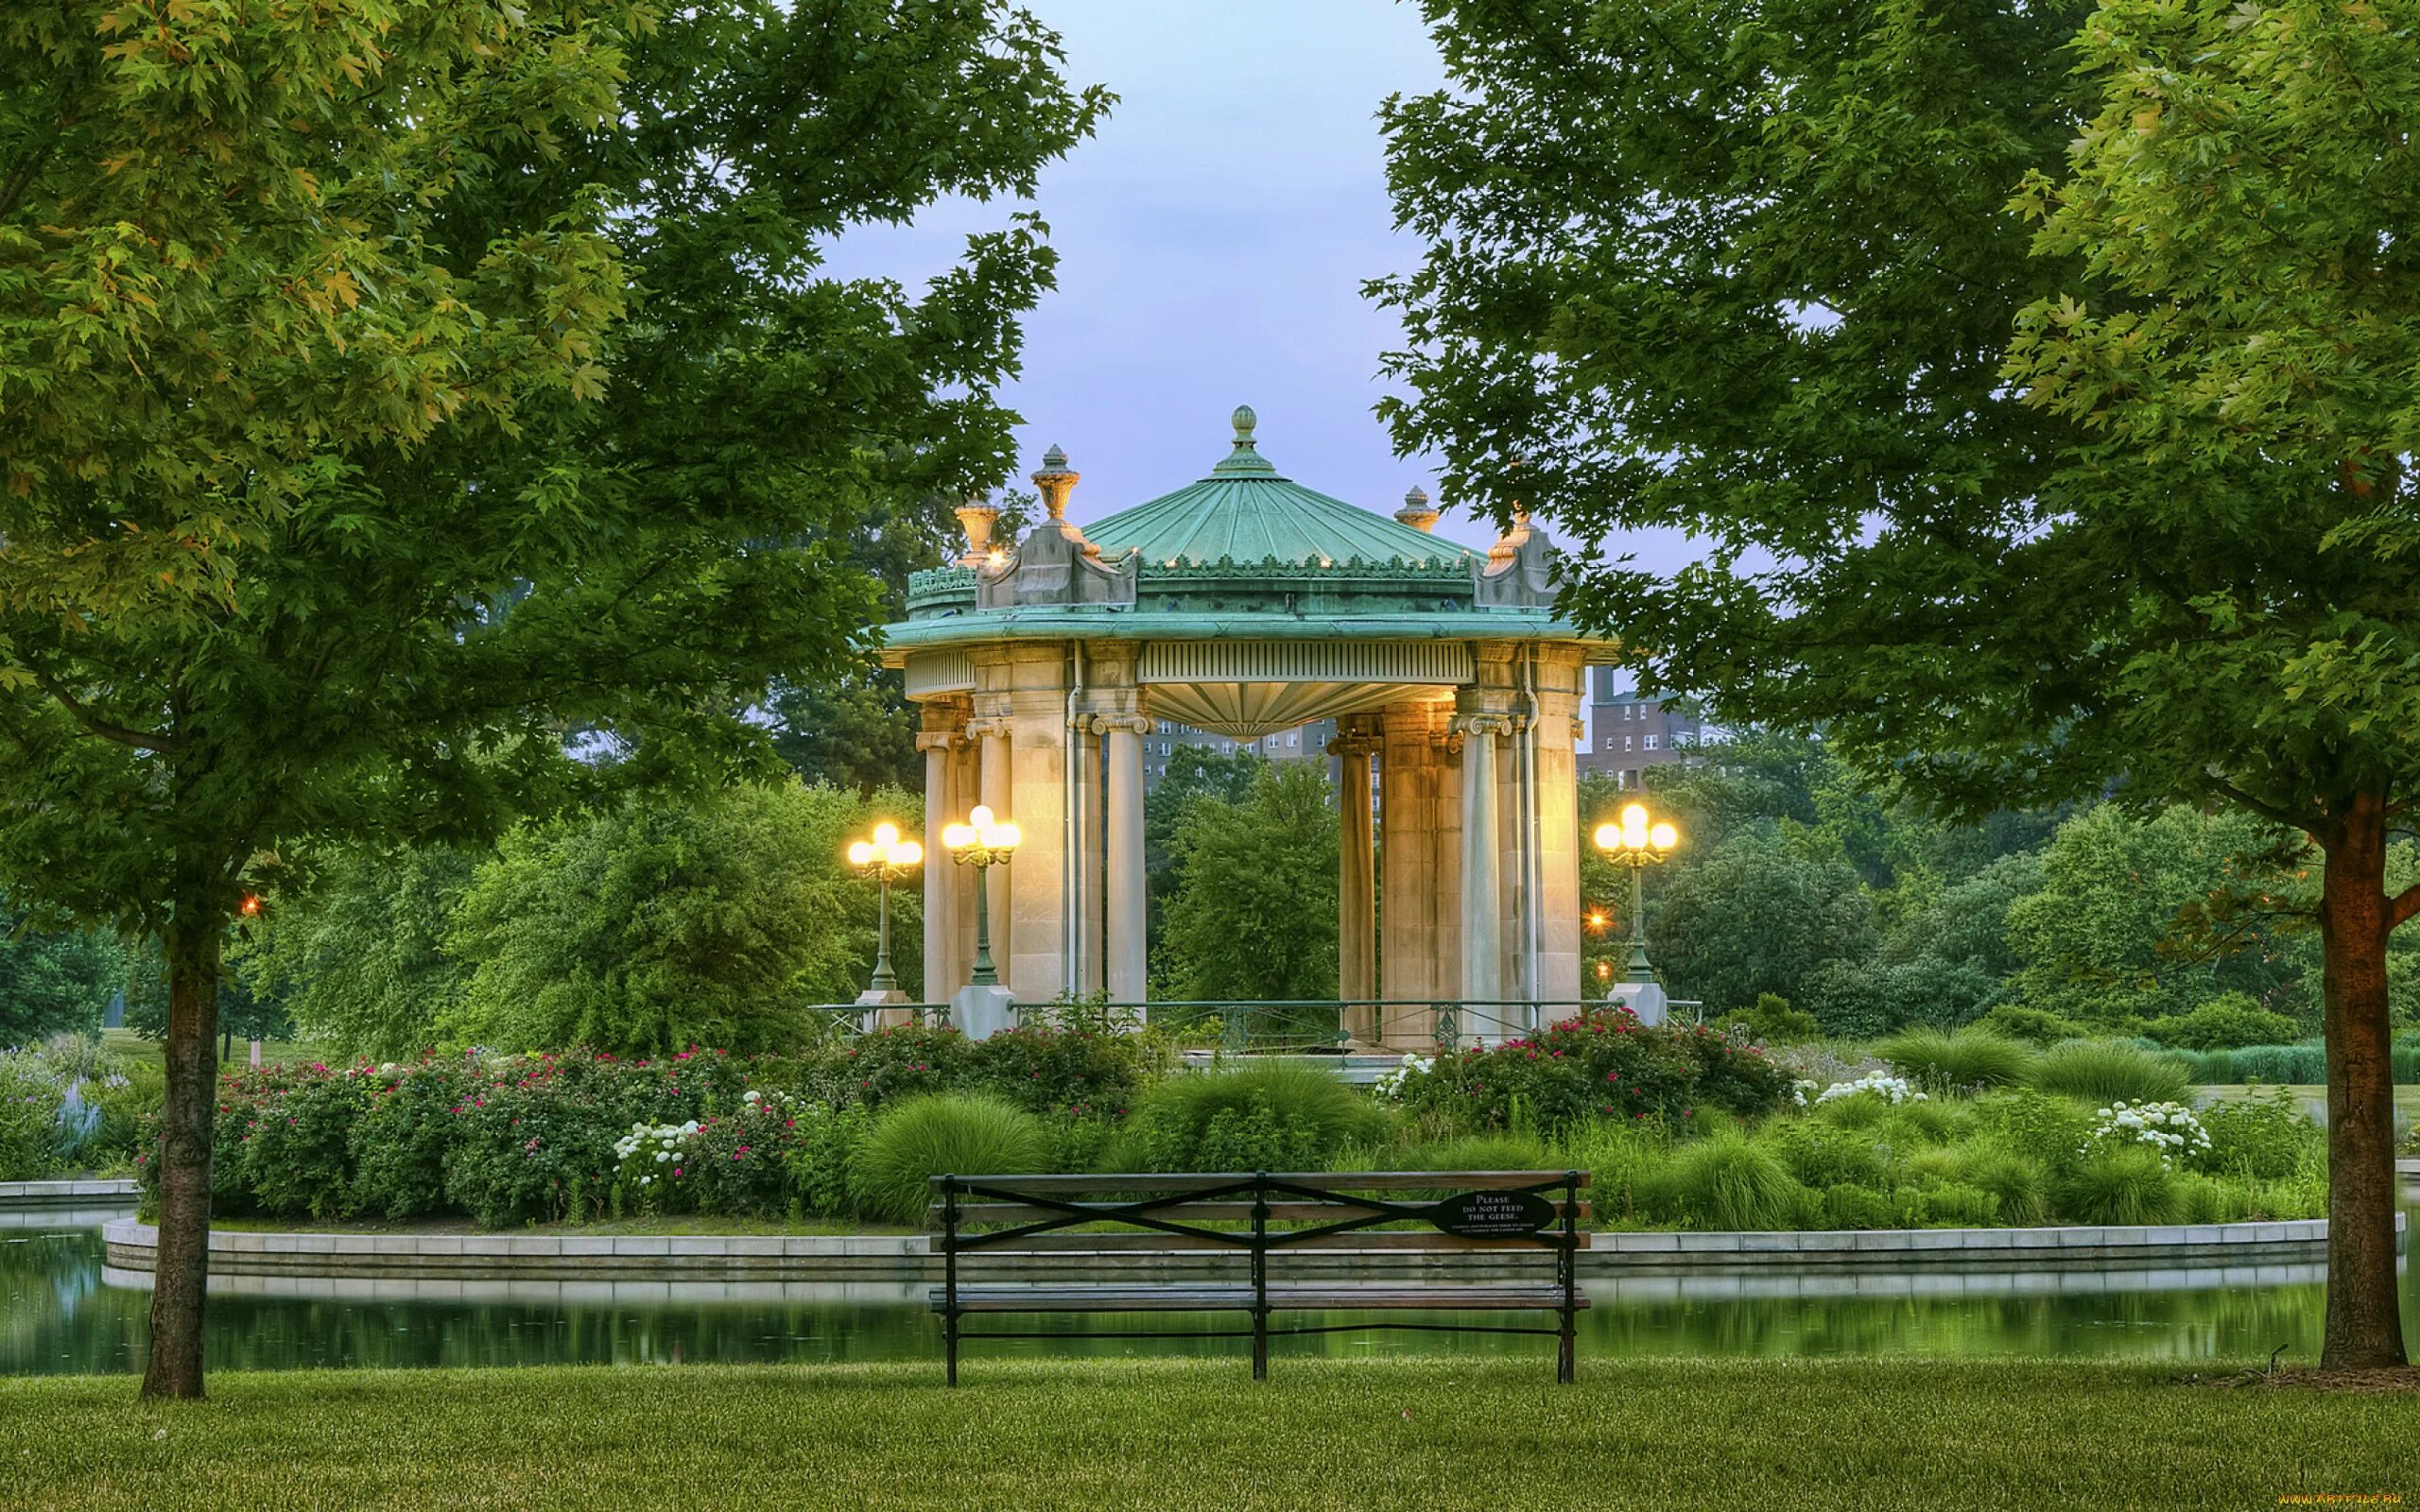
(2169,1129)
(399,1143)
(1275,1115)
(925,1137)
(1754,916)
(1600,1063)
(1968,1058)
(2264,1136)
(660,925)
(1771,1022)
(2035,1026)
(2104,1071)
(2123,1183)
(53,980)
(2047,1129)
(1076,1066)
(1729,1181)
(30,1098)
(1252,914)
(2226,1023)
(2027,460)
(359,956)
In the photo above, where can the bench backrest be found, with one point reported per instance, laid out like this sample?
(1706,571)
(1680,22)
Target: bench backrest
(1258,1212)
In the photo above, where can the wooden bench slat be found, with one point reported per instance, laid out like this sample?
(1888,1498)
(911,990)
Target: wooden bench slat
(1069,1185)
(1332,1296)
(1204,1211)
(1388,1239)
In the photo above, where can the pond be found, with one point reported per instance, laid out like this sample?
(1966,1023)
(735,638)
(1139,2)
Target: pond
(60,1312)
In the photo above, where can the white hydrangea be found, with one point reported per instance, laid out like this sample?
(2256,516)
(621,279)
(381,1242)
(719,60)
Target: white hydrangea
(2167,1128)
(1390,1082)
(1882,1084)
(1799,1089)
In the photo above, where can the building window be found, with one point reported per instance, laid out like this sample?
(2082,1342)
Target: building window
(1626,743)
(1651,743)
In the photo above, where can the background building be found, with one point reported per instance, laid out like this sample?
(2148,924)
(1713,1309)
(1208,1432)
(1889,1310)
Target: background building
(1627,733)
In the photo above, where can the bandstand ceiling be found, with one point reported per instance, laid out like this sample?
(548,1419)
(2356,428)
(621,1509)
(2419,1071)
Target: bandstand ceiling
(1250,710)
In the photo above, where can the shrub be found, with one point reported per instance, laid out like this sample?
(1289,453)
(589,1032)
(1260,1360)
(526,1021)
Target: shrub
(1963,1058)
(912,1142)
(2035,1026)
(2104,1071)
(1772,1021)
(1602,1063)
(2226,1023)
(906,1060)
(1480,1152)
(122,1097)
(2050,1131)
(1080,1067)
(397,1147)
(1852,1206)
(2121,1184)
(2263,1136)
(2168,1128)
(821,1158)
(31,1097)
(2282,1065)
(1957,1205)
(1625,1163)
(534,1136)
(297,1157)
(1824,1154)
(1729,1181)
(1269,1115)
(2015,1183)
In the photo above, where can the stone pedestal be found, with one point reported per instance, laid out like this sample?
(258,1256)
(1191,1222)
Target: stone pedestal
(980,1012)
(1645,999)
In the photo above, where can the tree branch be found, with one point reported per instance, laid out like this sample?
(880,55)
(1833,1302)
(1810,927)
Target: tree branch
(2267,810)
(95,725)
(2403,905)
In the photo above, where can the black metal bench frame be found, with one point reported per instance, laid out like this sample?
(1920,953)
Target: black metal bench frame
(1163,1210)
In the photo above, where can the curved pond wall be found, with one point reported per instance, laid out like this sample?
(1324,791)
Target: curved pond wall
(899,1258)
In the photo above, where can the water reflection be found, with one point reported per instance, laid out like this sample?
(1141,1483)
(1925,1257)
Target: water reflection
(61,1311)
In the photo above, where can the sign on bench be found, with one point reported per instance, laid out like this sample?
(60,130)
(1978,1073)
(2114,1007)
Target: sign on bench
(1029,1225)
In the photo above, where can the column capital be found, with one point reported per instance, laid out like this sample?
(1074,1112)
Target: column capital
(1356,746)
(1483,724)
(1119,725)
(939,739)
(990,725)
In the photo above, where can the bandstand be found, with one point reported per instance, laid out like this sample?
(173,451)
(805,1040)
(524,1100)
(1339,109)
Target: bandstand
(1245,604)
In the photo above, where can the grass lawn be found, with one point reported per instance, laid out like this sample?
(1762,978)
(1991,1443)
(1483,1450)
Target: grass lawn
(2313,1099)
(603,1227)
(125,1044)
(1497,1435)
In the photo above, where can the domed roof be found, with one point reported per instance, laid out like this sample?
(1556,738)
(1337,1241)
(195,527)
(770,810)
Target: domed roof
(1244,512)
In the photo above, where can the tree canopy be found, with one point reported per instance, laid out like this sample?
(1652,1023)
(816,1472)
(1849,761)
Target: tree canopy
(434,380)
(2025,461)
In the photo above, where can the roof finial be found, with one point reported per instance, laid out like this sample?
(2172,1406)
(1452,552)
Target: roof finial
(1056,480)
(1417,511)
(1245,457)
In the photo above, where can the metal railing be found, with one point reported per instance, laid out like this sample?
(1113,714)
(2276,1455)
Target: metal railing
(1297,1026)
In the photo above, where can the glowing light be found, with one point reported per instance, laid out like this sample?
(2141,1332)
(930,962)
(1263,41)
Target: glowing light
(1664,837)
(958,836)
(860,853)
(981,817)
(886,834)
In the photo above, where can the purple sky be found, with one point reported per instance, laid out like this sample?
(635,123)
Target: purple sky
(1213,238)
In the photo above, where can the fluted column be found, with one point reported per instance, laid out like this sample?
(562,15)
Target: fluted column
(1357,923)
(1122,837)
(1482,876)
(941,975)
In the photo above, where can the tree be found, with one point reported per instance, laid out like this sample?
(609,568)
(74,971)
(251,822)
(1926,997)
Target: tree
(2016,498)
(661,926)
(359,955)
(1253,913)
(1194,772)
(392,388)
(1755,916)
(53,981)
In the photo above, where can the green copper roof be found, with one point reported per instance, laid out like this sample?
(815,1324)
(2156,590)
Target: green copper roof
(1245,512)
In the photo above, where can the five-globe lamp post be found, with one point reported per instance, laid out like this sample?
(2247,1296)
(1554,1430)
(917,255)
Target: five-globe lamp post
(1639,843)
(982,842)
(883,860)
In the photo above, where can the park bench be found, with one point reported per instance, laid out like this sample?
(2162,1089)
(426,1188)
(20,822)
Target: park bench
(1179,1242)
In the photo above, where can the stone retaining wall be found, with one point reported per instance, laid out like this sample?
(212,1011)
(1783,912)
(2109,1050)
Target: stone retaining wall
(87,1194)
(908,1257)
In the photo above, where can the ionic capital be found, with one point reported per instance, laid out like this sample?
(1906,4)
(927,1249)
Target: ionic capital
(1120,725)
(1483,724)
(940,740)
(1355,746)
(989,727)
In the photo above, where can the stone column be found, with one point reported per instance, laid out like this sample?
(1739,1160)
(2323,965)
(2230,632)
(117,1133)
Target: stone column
(1483,910)
(943,723)
(1122,839)
(1357,940)
(1084,863)
(1408,814)
(1560,688)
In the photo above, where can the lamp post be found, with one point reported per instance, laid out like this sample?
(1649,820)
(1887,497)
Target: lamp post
(982,843)
(1638,844)
(884,860)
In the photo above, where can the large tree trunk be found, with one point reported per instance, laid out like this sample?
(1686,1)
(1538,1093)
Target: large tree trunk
(2365,1325)
(182,1267)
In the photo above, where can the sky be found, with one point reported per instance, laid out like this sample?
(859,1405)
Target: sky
(1213,240)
